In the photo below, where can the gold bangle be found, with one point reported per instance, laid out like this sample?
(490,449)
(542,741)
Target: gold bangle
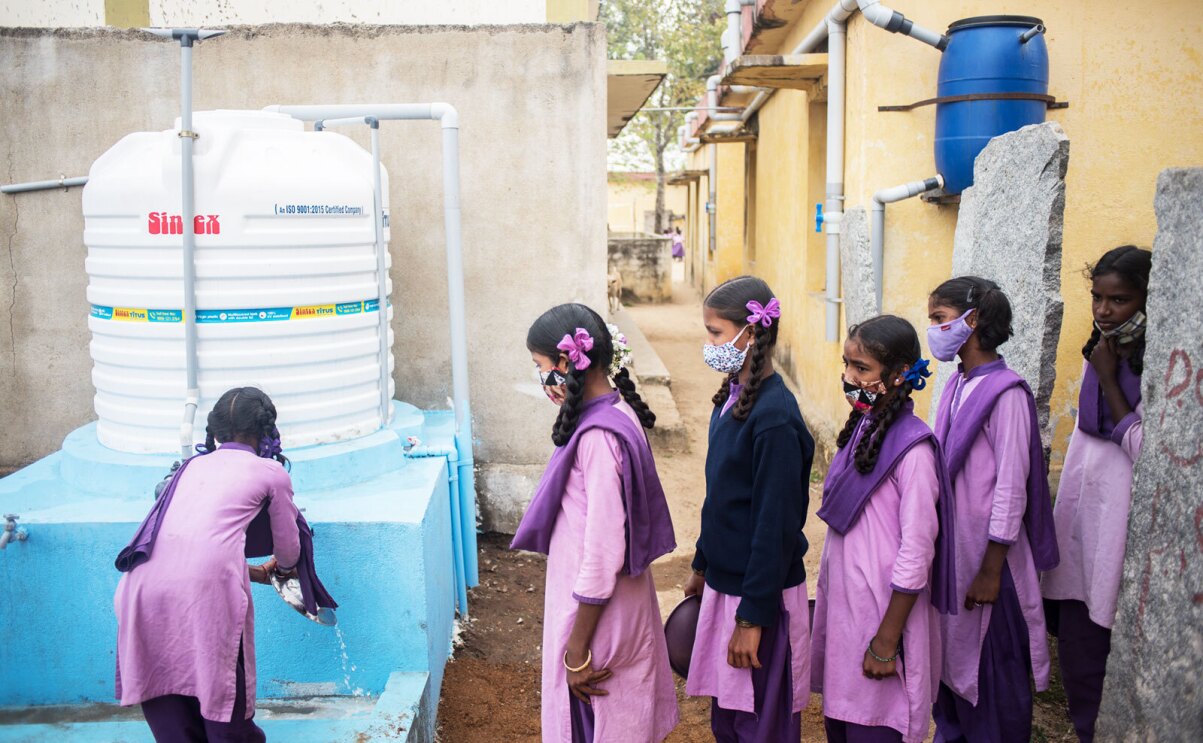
(581,667)
(740,622)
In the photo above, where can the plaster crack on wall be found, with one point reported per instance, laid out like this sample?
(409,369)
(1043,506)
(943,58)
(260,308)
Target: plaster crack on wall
(12,264)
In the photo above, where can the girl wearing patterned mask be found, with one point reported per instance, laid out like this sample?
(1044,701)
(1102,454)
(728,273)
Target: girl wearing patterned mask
(600,516)
(751,653)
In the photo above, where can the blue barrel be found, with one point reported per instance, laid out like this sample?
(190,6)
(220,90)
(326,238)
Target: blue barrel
(986,55)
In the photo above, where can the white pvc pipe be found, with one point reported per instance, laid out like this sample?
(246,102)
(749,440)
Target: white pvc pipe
(895,22)
(834,208)
(877,233)
(382,277)
(63,183)
(448,117)
(712,201)
(188,214)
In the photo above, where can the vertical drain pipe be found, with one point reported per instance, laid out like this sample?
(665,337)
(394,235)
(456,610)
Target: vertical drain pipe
(712,200)
(449,119)
(833,213)
(187,37)
(382,278)
(878,233)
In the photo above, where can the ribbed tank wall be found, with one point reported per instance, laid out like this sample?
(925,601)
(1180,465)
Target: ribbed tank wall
(286,279)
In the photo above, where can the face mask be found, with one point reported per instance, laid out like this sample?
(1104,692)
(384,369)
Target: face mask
(946,340)
(861,398)
(726,358)
(1131,330)
(553,385)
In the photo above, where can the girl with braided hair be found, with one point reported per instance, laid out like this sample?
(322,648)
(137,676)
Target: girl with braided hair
(750,652)
(1091,512)
(193,671)
(986,424)
(600,516)
(887,566)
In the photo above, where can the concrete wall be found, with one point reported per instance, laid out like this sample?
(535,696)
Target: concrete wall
(66,13)
(71,94)
(645,262)
(1132,113)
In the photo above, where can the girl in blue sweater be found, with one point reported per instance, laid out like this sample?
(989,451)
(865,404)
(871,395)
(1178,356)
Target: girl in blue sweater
(751,650)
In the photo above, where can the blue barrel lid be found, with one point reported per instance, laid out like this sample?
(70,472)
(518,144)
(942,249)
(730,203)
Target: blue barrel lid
(994,20)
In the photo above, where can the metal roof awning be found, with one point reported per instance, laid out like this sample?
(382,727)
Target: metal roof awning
(629,83)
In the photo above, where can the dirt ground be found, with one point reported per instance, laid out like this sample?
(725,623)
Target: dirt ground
(491,692)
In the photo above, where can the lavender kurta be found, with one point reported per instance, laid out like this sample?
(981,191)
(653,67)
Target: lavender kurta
(711,676)
(891,547)
(1091,516)
(182,613)
(584,564)
(990,498)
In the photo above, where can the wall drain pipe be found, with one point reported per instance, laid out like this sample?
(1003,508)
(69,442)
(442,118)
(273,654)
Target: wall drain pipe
(382,258)
(878,232)
(452,456)
(63,183)
(187,38)
(712,200)
(449,119)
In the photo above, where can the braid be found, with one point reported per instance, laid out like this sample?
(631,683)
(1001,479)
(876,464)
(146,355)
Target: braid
(747,396)
(1136,362)
(210,443)
(626,388)
(846,434)
(570,411)
(875,434)
(1095,337)
(724,390)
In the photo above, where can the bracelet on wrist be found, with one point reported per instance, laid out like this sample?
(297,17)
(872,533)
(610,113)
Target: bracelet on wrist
(741,622)
(699,573)
(581,667)
(880,659)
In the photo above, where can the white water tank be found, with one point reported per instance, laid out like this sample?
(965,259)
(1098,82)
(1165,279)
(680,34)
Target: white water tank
(286,280)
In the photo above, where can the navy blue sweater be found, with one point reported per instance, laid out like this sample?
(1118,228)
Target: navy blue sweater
(757,492)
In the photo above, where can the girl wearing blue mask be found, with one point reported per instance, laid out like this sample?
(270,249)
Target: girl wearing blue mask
(986,425)
(751,653)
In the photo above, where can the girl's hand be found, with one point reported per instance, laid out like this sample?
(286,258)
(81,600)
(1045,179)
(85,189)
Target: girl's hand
(583,683)
(983,590)
(695,584)
(1104,359)
(257,574)
(741,651)
(875,669)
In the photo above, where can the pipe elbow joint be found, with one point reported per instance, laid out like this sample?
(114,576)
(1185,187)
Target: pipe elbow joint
(447,115)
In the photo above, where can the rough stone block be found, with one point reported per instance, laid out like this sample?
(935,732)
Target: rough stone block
(1009,231)
(1152,690)
(645,262)
(856,267)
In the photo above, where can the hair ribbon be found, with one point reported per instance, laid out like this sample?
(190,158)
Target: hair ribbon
(763,314)
(917,374)
(577,346)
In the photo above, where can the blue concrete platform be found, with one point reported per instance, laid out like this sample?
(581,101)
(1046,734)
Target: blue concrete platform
(382,525)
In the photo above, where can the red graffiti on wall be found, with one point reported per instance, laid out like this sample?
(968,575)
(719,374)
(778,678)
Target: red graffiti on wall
(1179,378)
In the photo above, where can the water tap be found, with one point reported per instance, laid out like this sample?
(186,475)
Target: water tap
(11,532)
(818,217)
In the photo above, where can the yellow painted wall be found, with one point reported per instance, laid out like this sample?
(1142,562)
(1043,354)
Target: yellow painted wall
(1133,80)
(628,201)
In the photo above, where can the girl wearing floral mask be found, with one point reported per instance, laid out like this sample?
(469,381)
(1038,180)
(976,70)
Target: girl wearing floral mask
(600,516)
(888,560)
(751,654)
(986,424)
(1091,512)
